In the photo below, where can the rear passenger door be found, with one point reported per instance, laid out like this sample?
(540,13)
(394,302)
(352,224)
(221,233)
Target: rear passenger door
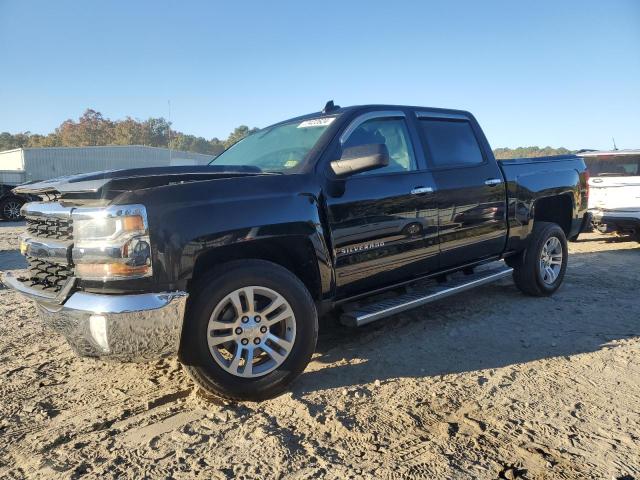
(471,194)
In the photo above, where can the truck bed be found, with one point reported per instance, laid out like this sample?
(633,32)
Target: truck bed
(518,169)
(534,160)
(561,179)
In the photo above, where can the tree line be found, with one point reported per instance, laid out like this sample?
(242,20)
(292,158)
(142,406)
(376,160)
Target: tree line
(529,152)
(92,129)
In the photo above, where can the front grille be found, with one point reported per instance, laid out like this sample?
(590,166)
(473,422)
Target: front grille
(48,240)
(46,276)
(51,227)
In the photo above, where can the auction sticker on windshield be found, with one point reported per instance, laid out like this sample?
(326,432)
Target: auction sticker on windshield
(317,122)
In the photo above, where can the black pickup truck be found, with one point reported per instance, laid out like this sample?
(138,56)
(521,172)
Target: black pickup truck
(230,265)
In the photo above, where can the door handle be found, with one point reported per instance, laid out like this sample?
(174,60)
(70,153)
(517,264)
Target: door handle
(493,181)
(421,190)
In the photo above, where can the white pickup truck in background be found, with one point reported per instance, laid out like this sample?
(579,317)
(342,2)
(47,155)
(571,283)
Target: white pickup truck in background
(614,191)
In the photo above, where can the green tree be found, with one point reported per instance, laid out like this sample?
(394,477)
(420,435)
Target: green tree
(238,134)
(127,132)
(93,129)
(39,141)
(529,152)
(9,141)
(156,132)
(216,146)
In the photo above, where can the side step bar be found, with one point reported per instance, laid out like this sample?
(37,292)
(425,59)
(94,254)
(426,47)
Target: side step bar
(375,311)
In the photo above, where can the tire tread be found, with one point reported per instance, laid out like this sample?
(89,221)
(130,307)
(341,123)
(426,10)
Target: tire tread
(525,268)
(197,367)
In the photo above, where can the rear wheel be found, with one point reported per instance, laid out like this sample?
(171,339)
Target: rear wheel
(10,209)
(251,329)
(540,269)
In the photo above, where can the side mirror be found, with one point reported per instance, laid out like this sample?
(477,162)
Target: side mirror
(361,158)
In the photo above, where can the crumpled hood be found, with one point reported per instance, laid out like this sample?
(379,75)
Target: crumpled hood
(134,178)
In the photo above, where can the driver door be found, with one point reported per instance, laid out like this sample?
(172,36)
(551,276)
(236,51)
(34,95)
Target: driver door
(384,225)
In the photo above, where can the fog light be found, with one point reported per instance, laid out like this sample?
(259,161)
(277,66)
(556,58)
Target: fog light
(111,270)
(98,330)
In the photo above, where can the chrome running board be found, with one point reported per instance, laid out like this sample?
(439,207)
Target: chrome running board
(459,283)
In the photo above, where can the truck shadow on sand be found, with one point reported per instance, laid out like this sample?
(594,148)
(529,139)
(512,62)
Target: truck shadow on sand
(491,327)
(607,238)
(12,260)
(8,224)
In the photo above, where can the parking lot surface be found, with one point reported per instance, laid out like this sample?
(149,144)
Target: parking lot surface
(489,384)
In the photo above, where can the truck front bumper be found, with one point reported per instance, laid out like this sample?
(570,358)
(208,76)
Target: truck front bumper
(121,327)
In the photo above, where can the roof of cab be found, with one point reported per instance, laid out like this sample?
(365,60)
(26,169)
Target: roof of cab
(337,111)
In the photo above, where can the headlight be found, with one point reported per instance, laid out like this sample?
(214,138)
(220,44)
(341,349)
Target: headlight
(111,243)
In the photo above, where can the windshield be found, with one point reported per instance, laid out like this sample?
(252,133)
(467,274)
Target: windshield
(280,148)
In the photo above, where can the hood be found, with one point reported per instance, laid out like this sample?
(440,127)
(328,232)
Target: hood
(133,179)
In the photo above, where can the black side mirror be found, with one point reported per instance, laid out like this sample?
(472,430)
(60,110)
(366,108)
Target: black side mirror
(361,158)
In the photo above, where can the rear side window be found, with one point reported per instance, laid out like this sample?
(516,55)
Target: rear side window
(451,143)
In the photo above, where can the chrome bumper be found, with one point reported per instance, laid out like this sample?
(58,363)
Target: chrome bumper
(600,216)
(122,327)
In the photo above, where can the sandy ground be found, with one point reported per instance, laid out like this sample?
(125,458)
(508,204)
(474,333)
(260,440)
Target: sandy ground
(492,384)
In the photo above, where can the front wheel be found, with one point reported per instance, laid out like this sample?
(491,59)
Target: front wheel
(540,269)
(250,330)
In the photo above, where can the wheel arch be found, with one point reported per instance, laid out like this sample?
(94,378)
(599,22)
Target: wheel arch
(557,209)
(294,253)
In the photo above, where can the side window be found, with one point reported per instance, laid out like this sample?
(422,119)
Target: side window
(451,143)
(394,134)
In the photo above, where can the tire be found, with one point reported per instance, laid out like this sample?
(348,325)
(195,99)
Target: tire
(10,209)
(529,273)
(212,366)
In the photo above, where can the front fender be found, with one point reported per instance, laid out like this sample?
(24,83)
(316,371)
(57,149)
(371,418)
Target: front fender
(188,220)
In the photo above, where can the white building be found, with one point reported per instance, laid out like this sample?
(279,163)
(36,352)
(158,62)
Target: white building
(30,164)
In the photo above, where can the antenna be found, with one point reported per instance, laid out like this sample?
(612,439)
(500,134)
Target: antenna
(614,143)
(169,145)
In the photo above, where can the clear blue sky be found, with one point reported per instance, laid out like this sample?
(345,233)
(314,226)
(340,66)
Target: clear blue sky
(559,73)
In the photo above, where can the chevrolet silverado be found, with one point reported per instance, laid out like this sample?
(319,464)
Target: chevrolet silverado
(228,266)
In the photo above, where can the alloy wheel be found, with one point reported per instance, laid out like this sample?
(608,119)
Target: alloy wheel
(251,331)
(551,260)
(11,210)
